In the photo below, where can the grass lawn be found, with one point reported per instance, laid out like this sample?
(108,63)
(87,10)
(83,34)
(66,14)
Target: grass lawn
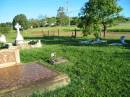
(95,71)
(122,27)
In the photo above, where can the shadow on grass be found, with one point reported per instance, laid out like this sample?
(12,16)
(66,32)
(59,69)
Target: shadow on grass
(65,40)
(58,40)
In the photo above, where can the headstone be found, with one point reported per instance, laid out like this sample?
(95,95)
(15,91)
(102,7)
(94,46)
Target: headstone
(19,38)
(2,39)
(57,60)
(37,45)
(9,57)
(85,42)
(97,41)
(53,55)
(122,40)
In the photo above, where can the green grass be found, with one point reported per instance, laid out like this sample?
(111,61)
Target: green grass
(122,27)
(95,71)
(61,28)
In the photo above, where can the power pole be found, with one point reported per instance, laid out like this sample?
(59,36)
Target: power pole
(67,11)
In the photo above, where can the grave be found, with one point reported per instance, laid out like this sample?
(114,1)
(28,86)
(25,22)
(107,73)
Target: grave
(57,60)
(21,43)
(122,42)
(19,39)
(2,39)
(97,41)
(21,80)
(9,57)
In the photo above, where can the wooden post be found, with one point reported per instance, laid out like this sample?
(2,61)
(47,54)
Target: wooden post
(48,32)
(58,32)
(72,34)
(43,33)
(75,32)
(54,33)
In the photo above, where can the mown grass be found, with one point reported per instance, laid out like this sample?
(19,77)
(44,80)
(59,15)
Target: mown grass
(95,71)
(54,29)
(122,27)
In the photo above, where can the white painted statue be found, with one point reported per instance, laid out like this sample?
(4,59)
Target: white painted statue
(19,38)
(2,39)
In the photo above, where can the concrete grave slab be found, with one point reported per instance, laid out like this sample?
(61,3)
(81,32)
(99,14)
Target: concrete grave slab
(23,80)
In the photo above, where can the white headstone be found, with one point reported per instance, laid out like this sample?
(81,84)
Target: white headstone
(53,55)
(122,40)
(19,37)
(2,39)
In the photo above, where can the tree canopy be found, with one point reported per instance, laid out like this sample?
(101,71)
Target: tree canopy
(97,14)
(22,20)
(62,18)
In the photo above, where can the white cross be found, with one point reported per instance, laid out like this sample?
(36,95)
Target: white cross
(17,26)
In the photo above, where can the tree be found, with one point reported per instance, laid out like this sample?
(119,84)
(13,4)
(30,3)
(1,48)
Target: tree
(62,18)
(98,13)
(34,23)
(51,21)
(22,20)
(74,21)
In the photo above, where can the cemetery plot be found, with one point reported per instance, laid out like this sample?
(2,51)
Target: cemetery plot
(16,79)
(28,78)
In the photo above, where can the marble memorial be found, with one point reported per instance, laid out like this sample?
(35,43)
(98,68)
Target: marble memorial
(19,39)
(2,39)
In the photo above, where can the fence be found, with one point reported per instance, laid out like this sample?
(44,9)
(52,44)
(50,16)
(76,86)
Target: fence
(73,33)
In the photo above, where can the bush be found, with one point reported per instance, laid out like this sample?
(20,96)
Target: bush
(3,46)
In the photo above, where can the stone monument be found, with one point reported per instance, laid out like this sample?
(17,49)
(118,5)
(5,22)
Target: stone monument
(9,57)
(19,39)
(122,40)
(2,39)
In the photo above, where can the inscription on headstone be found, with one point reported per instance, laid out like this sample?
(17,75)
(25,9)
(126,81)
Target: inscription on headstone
(9,57)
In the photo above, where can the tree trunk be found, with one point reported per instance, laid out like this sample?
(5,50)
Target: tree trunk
(104,29)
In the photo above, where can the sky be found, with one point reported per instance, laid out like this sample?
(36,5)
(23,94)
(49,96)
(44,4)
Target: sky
(36,8)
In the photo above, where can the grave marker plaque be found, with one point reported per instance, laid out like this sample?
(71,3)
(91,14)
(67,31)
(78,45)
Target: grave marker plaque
(9,57)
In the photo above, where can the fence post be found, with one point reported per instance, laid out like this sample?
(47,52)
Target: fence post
(53,33)
(42,33)
(72,34)
(58,32)
(75,32)
(48,32)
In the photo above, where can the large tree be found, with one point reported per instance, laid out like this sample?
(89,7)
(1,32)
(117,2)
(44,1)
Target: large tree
(22,20)
(99,13)
(62,18)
